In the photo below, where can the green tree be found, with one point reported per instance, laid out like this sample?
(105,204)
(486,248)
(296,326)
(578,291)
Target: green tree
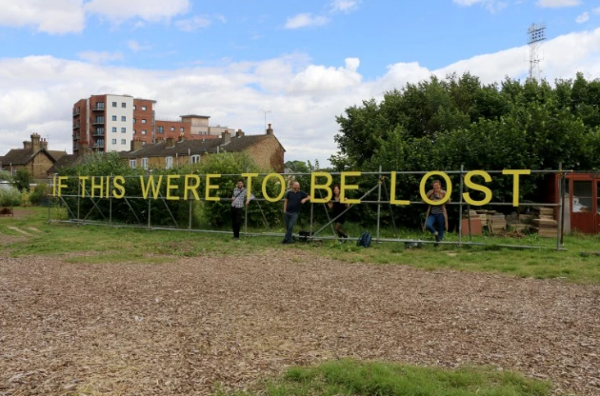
(22,180)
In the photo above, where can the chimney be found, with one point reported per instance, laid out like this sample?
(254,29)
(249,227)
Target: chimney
(170,142)
(83,149)
(226,137)
(181,137)
(270,130)
(239,133)
(26,145)
(136,144)
(35,142)
(44,144)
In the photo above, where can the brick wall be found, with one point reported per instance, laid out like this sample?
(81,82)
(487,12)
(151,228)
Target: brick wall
(268,154)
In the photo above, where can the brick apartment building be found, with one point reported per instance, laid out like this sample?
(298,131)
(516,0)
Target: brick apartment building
(107,123)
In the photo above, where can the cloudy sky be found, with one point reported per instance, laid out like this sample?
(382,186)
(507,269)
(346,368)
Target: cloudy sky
(297,64)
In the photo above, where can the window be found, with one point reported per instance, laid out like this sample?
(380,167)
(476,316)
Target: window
(114,129)
(114,104)
(123,130)
(145,163)
(123,141)
(134,132)
(160,129)
(134,120)
(143,131)
(194,159)
(168,162)
(99,120)
(123,104)
(114,118)
(143,120)
(123,118)
(132,163)
(100,106)
(114,141)
(134,107)
(172,129)
(143,108)
(182,129)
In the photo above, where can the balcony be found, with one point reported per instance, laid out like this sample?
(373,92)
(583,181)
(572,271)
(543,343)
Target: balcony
(98,107)
(76,137)
(77,125)
(76,112)
(98,121)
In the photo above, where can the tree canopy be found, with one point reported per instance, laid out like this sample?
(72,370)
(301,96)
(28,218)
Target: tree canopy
(446,123)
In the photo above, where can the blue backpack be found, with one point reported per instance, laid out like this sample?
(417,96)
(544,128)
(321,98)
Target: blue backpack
(364,240)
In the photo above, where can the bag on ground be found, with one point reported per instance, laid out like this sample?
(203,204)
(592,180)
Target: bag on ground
(364,240)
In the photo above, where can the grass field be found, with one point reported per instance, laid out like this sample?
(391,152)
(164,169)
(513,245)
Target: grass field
(577,264)
(30,234)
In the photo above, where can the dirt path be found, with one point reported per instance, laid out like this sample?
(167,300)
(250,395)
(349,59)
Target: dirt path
(180,328)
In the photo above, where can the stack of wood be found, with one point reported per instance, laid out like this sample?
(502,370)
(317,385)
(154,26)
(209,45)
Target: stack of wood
(543,222)
(496,223)
(515,222)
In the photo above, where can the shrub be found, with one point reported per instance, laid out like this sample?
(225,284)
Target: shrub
(9,196)
(39,193)
(22,180)
(24,199)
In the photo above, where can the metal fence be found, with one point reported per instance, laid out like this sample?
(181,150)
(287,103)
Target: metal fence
(72,205)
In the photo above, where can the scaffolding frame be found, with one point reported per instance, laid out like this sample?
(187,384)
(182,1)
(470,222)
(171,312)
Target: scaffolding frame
(380,183)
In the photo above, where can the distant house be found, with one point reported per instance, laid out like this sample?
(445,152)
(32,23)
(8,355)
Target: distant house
(266,150)
(63,162)
(33,157)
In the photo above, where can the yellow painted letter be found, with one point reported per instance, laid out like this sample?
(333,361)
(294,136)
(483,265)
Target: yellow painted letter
(478,187)
(118,185)
(99,186)
(516,173)
(393,199)
(172,187)
(249,177)
(448,188)
(211,187)
(82,180)
(314,186)
(344,187)
(60,184)
(192,188)
(151,184)
(281,183)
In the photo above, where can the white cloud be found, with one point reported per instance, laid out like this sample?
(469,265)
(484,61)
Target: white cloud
(54,17)
(344,5)
(136,47)
(596,10)
(100,56)
(583,17)
(558,3)
(37,92)
(304,20)
(148,10)
(492,5)
(192,24)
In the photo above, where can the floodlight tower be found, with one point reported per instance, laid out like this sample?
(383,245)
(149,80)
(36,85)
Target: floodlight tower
(537,34)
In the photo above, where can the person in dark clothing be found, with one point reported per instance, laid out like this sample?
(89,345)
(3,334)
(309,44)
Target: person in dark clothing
(437,216)
(291,206)
(338,208)
(238,199)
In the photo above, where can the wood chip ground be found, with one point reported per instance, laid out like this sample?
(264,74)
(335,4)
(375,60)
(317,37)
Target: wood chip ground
(194,324)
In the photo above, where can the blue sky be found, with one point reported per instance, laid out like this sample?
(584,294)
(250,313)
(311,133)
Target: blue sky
(304,61)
